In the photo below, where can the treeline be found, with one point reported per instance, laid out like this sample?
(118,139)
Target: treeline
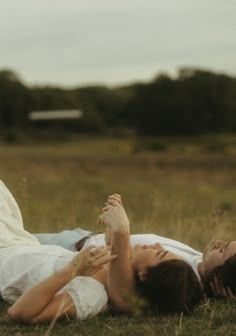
(195,102)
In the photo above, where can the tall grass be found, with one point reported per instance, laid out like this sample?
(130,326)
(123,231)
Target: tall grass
(186,192)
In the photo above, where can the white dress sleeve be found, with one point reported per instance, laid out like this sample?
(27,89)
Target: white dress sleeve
(11,225)
(9,205)
(89,296)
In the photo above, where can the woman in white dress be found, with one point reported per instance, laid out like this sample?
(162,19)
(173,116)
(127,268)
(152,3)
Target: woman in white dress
(44,282)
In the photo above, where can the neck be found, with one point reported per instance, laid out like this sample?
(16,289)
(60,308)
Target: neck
(201,270)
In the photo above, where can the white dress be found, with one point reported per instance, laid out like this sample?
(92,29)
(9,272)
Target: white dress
(24,263)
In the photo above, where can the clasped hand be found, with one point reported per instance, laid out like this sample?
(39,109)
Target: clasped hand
(114,215)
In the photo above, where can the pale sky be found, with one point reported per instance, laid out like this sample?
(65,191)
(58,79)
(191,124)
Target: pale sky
(113,42)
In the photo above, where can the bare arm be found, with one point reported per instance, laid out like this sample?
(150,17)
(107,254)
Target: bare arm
(108,237)
(120,282)
(41,303)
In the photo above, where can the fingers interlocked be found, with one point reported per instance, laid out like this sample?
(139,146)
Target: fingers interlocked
(219,291)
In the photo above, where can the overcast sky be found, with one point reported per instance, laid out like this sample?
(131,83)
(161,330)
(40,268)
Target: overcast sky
(78,42)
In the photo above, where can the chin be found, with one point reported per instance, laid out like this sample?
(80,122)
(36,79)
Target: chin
(205,252)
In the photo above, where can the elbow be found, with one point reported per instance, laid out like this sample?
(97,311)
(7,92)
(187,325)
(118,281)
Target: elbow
(121,305)
(18,316)
(13,314)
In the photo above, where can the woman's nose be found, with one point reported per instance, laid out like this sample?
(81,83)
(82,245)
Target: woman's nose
(158,247)
(220,243)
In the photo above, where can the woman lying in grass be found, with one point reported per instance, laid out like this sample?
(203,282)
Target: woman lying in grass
(49,282)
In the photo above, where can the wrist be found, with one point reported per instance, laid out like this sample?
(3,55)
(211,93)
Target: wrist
(120,229)
(124,228)
(71,270)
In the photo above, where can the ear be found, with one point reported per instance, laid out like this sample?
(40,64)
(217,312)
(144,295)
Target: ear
(142,276)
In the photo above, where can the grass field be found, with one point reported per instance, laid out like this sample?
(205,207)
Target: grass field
(184,189)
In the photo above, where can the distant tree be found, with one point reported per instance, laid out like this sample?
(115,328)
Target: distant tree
(152,109)
(104,101)
(14,103)
(195,102)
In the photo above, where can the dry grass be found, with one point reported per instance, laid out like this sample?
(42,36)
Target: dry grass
(185,192)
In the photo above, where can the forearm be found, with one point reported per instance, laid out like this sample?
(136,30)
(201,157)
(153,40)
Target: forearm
(108,237)
(120,282)
(35,300)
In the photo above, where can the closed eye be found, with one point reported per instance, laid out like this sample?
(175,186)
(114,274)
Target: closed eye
(224,248)
(164,254)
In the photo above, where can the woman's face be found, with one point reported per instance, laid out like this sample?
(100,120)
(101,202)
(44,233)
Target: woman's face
(217,254)
(144,256)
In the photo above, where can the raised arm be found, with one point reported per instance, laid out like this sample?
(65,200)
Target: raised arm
(120,282)
(41,303)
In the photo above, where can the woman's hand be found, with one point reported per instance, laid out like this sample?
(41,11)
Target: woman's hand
(114,215)
(90,260)
(114,197)
(219,291)
(117,198)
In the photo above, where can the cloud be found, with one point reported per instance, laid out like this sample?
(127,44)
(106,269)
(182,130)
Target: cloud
(113,40)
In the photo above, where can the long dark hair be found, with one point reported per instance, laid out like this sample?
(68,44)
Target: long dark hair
(170,287)
(226,275)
